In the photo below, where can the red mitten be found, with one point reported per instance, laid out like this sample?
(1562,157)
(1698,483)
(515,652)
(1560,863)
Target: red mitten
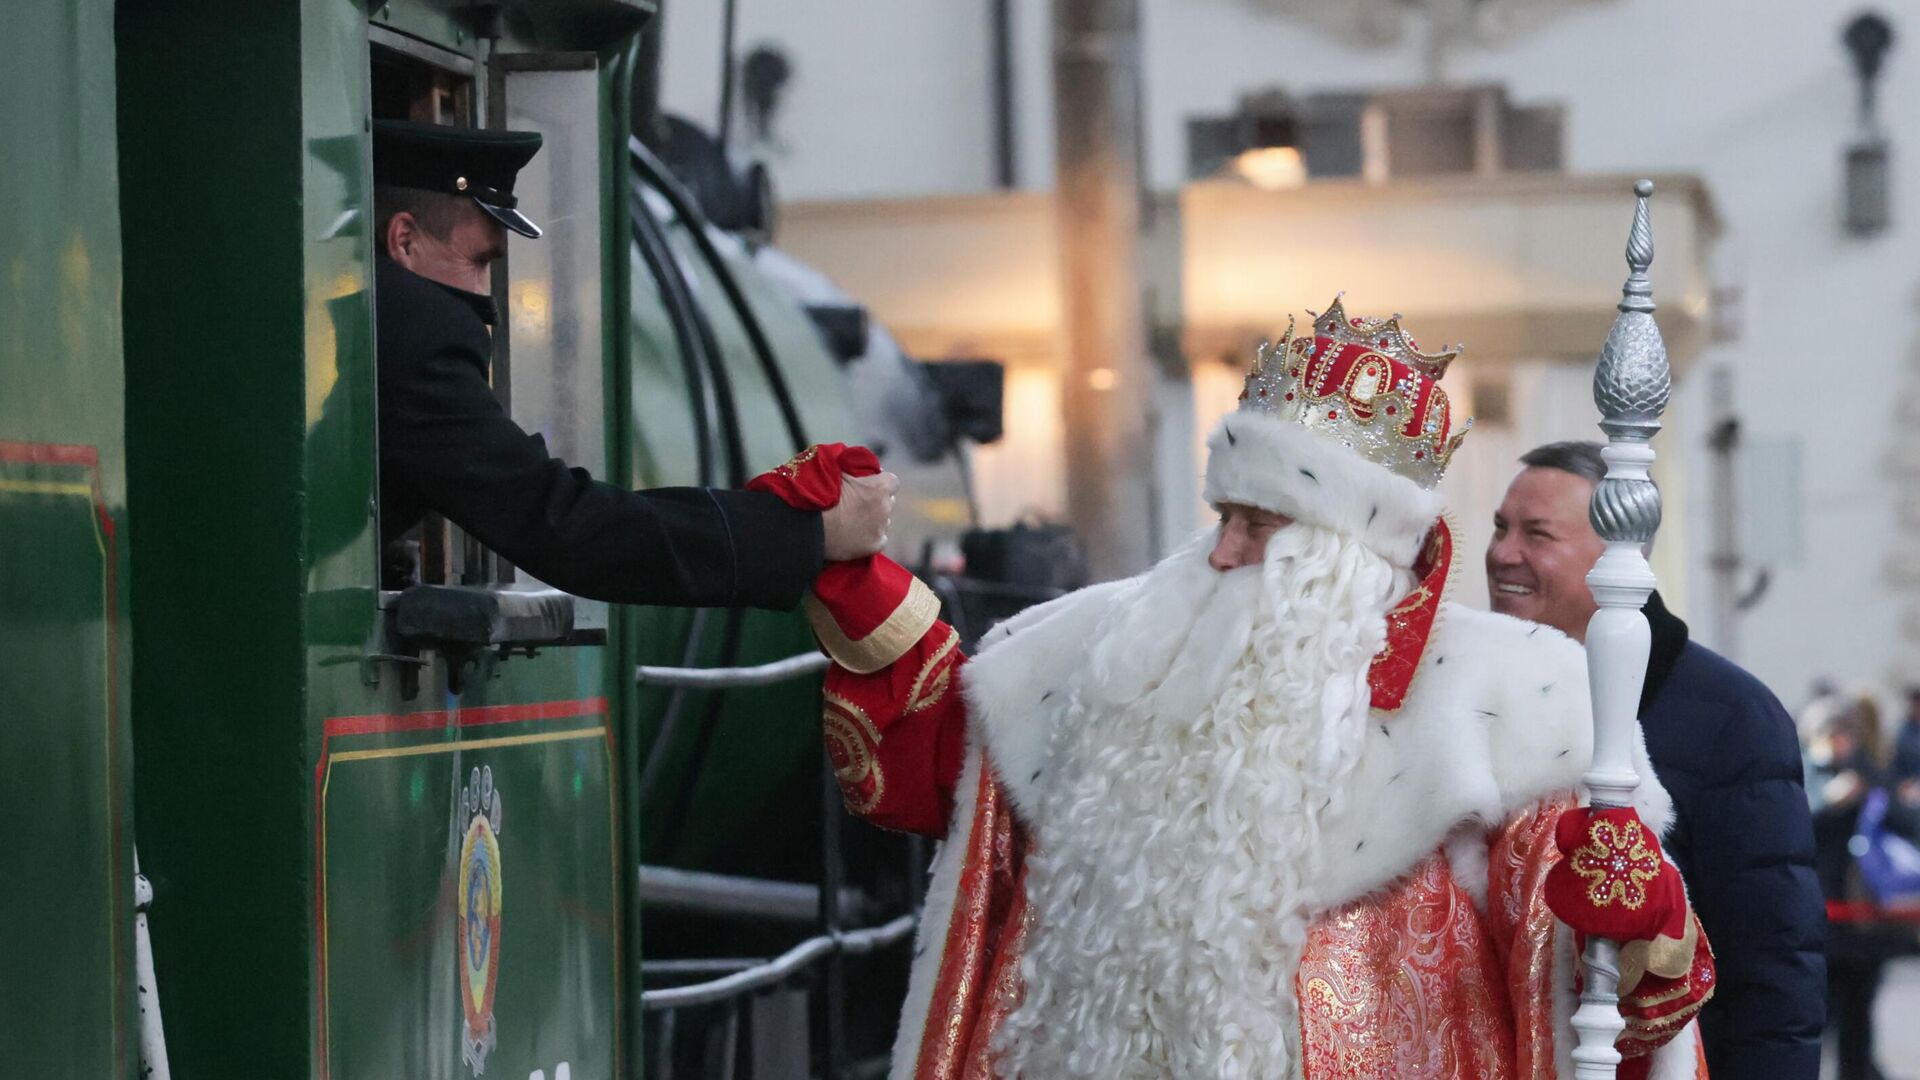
(811,481)
(866,612)
(1611,880)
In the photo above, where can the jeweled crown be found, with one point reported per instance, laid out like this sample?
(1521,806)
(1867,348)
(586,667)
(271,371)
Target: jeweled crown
(1365,383)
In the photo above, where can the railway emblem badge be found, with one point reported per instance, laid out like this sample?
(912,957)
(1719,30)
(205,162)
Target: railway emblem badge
(478,896)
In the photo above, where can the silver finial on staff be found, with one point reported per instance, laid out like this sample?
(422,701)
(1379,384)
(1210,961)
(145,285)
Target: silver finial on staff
(1630,387)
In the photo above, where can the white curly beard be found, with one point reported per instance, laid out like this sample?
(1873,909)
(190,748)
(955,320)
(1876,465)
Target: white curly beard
(1213,724)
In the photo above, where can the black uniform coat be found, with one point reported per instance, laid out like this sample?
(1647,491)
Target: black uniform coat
(1728,753)
(447,445)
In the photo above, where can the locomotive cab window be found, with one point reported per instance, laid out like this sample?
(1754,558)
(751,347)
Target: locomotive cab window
(415,80)
(547,348)
(418,81)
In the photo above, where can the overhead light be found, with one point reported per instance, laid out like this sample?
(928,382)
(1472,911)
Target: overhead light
(1867,38)
(1103,378)
(1271,168)
(1259,142)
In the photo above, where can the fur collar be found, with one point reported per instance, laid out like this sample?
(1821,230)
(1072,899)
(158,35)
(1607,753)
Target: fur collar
(1498,717)
(1263,461)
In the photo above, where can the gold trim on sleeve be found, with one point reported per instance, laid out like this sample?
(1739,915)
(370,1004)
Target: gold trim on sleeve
(1665,1027)
(1667,957)
(925,693)
(853,748)
(888,642)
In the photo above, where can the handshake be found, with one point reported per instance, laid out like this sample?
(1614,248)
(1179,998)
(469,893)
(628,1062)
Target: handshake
(847,485)
(856,526)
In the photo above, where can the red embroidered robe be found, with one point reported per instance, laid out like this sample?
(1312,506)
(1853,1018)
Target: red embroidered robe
(1424,973)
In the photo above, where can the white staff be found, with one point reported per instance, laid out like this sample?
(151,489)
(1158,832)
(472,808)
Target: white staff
(1630,386)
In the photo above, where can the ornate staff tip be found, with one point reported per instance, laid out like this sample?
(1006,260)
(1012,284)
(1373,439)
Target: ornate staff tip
(1637,293)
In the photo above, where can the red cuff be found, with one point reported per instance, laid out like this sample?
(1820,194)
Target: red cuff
(868,612)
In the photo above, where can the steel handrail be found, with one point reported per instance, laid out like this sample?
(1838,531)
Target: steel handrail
(726,678)
(672,888)
(780,968)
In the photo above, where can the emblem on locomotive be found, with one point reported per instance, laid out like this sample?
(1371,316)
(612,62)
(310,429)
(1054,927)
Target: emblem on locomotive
(478,895)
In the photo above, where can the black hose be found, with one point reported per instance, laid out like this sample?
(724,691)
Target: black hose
(659,259)
(700,348)
(669,187)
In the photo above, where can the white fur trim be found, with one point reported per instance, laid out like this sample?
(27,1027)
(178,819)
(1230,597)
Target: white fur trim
(1015,695)
(1278,465)
(1679,1059)
(1467,858)
(1499,716)
(1565,1001)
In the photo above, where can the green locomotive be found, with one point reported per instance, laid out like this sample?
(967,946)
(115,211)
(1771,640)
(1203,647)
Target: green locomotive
(384,844)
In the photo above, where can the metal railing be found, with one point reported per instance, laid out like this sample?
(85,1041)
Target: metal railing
(724,894)
(733,982)
(771,973)
(728,678)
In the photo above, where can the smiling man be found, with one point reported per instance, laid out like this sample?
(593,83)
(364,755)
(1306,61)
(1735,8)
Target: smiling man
(1543,544)
(1276,808)
(1725,750)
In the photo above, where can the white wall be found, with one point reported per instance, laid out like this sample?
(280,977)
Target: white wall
(887,96)
(892,97)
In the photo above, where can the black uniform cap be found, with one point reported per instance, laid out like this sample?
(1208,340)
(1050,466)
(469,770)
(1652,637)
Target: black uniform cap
(457,161)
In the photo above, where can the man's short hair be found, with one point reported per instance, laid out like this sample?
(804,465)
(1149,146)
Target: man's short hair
(436,211)
(1579,457)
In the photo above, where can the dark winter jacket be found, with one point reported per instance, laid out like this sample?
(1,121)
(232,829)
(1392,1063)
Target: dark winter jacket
(1728,753)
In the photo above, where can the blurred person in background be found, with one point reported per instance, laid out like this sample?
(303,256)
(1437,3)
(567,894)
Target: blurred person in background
(1725,749)
(1906,750)
(1844,764)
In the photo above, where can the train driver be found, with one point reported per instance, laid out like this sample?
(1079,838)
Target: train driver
(444,204)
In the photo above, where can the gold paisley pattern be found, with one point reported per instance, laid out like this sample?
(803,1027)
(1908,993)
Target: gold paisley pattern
(1523,852)
(1405,984)
(853,745)
(961,1016)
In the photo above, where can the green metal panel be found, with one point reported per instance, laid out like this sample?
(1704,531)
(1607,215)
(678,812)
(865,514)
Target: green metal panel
(429,818)
(215,141)
(398,782)
(305,816)
(66,990)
